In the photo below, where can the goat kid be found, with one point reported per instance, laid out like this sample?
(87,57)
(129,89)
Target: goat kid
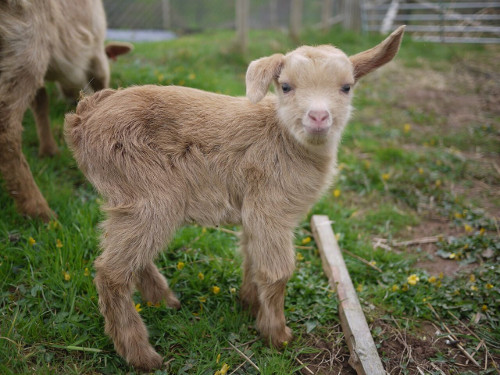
(54,40)
(165,156)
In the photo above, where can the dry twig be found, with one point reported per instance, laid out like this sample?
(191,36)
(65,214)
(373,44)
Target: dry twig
(245,357)
(363,260)
(302,364)
(453,336)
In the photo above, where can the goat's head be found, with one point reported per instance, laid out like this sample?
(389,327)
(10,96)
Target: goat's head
(314,85)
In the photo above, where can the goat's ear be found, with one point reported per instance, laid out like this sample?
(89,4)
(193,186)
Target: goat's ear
(115,49)
(260,74)
(369,60)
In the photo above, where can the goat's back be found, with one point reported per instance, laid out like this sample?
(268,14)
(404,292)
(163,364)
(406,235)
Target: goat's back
(207,150)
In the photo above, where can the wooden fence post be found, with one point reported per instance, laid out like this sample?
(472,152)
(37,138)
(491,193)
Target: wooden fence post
(351,10)
(295,19)
(166,10)
(326,14)
(242,13)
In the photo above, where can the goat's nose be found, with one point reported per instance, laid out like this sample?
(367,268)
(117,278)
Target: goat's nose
(319,117)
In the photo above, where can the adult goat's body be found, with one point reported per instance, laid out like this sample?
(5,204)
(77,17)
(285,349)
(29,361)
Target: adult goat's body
(53,40)
(165,156)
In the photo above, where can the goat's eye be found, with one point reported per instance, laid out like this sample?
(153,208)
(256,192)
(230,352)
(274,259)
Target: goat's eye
(286,87)
(346,88)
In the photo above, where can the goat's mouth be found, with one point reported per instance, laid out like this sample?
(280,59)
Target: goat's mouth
(317,131)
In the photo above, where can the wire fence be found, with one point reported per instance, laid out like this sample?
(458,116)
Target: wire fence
(430,20)
(184,16)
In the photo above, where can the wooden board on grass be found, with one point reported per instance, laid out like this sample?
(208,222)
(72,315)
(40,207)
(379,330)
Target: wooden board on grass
(364,357)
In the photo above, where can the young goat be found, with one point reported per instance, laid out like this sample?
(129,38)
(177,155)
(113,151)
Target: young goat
(55,40)
(165,156)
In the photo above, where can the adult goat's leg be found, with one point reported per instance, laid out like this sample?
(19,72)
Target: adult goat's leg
(14,167)
(40,108)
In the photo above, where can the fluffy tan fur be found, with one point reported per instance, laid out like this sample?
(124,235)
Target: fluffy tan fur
(165,156)
(54,40)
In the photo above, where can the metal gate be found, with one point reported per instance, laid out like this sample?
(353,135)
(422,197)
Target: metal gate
(436,21)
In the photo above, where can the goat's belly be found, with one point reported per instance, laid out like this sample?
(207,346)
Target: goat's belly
(210,206)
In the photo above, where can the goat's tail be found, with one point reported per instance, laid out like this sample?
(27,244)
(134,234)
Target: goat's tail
(73,121)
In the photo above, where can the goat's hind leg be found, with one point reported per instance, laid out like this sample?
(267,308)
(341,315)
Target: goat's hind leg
(132,237)
(154,287)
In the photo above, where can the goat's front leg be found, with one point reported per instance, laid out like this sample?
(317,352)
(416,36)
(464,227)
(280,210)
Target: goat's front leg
(14,167)
(40,108)
(270,263)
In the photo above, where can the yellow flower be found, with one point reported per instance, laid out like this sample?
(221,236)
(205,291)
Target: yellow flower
(232,290)
(336,193)
(441,275)
(202,299)
(300,257)
(405,288)
(182,82)
(489,286)
(54,225)
(203,230)
(481,231)
(467,228)
(224,369)
(473,288)
(407,128)
(192,76)
(472,278)
(438,183)
(138,307)
(484,307)
(373,263)
(306,240)
(359,288)
(67,276)
(432,279)
(337,236)
(180,265)
(31,241)
(386,176)
(453,256)
(86,272)
(59,243)
(201,276)
(395,288)
(424,299)
(215,290)
(149,304)
(413,279)
(218,358)
(421,170)
(458,215)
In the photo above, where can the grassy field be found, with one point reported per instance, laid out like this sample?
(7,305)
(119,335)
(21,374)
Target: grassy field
(419,161)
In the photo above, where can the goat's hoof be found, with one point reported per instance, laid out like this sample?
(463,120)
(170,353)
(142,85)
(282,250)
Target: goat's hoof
(48,150)
(40,211)
(173,302)
(281,339)
(146,360)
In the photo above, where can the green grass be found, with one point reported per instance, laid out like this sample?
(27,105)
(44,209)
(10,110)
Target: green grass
(392,178)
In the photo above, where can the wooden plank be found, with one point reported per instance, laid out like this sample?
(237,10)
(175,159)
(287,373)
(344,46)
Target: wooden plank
(364,357)
(388,20)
